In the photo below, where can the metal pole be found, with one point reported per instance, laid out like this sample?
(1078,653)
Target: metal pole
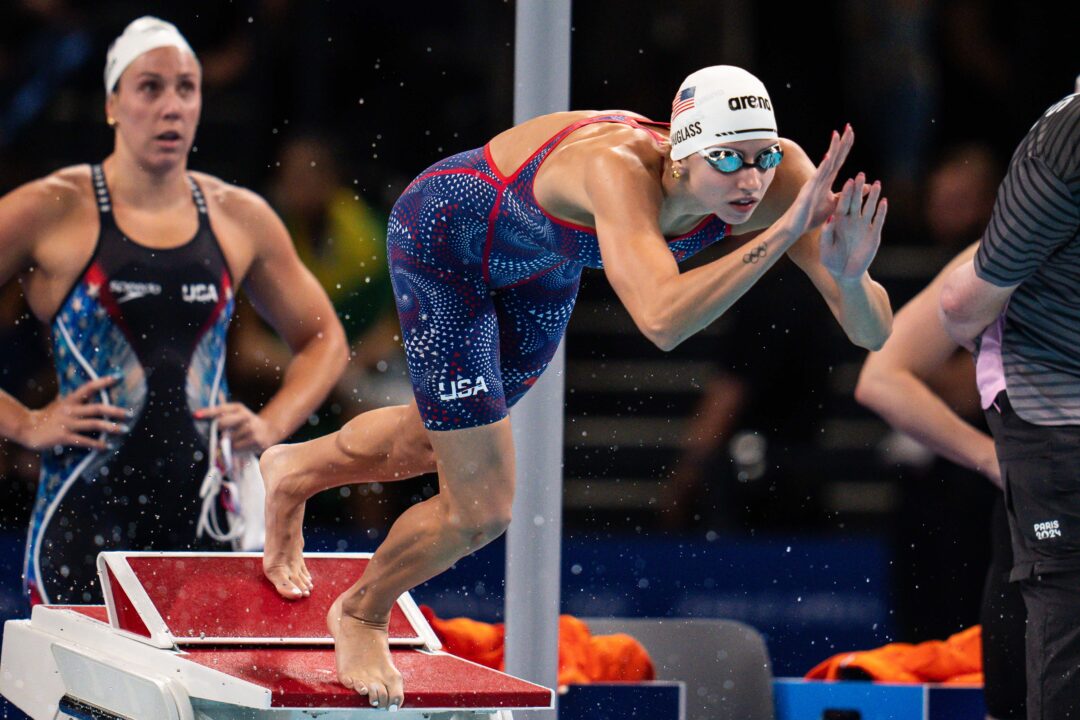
(541,85)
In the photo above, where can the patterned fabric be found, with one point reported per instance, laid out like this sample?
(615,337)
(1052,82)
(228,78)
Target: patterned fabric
(485,280)
(206,384)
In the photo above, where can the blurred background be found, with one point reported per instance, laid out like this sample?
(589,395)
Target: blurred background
(734,477)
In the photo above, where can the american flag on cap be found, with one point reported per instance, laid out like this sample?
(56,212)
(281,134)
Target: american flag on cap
(683,101)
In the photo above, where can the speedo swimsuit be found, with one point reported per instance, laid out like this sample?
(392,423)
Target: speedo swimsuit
(156,318)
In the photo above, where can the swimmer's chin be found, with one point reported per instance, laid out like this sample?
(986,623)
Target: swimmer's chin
(734,214)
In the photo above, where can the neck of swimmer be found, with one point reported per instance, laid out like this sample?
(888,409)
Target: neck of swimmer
(135,185)
(679,211)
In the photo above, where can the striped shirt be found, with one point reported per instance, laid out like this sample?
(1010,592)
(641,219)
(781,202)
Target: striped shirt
(1033,242)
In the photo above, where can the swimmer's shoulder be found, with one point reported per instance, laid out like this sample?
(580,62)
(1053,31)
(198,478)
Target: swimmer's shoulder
(232,203)
(241,217)
(547,126)
(49,201)
(514,146)
(67,188)
(614,143)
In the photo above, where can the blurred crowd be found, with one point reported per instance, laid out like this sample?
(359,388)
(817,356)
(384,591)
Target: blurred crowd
(327,108)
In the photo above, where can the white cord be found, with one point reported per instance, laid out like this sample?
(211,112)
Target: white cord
(217,478)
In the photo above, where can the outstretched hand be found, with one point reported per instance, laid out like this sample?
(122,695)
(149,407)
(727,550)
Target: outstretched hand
(853,217)
(852,235)
(816,201)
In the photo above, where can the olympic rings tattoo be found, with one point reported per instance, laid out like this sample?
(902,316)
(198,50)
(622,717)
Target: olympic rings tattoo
(756,254)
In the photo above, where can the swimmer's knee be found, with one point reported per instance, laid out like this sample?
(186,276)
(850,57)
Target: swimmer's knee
(488,530)
(481,525)
(493,526)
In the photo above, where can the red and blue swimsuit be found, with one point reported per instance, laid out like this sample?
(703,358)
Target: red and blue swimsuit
(485,281)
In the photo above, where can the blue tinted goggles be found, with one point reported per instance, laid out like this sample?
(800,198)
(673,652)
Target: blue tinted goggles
(727,161)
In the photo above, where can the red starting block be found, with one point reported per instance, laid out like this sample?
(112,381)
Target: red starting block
(203,636)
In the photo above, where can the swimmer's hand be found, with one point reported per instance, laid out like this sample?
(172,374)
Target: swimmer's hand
(247,430)
(73,421)
(816,201)
(851,237)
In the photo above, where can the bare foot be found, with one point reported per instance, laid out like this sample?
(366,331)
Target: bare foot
(283,556)
(363,658)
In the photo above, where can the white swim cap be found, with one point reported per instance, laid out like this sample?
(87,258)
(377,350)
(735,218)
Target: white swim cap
(717,104)
(141,36)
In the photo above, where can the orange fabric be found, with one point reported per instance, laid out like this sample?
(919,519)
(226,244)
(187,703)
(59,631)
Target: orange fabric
(957,660)
(583,657)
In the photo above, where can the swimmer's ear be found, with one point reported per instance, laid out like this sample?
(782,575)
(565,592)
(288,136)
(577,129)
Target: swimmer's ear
(110,101)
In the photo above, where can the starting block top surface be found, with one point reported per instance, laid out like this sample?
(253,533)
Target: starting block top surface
(306,677)
(221,598)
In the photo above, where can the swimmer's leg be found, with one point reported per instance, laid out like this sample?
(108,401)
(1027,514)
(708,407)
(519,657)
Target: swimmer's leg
(476,489)
(381,445)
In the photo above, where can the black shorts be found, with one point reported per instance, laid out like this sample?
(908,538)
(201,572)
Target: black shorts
(1003,619)
(1053,645)
(1041,469)
(1040,465)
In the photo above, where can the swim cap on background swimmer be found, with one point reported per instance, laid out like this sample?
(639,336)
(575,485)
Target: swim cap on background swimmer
(719,104)
(141,36)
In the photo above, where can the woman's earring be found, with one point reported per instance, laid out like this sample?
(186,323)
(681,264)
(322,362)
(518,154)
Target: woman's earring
(110,121)
(675,174)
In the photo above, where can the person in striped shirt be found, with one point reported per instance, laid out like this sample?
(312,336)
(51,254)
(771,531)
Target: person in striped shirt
(1017,303)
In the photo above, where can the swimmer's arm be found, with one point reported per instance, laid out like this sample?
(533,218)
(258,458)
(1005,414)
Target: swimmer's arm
(26,213)
(73,420)
(666,305)
(893,383)
(14,419)
(23,216)
(859,303)
(287,295)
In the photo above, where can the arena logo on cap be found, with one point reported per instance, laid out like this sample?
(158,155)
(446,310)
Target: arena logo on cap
(749,101)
